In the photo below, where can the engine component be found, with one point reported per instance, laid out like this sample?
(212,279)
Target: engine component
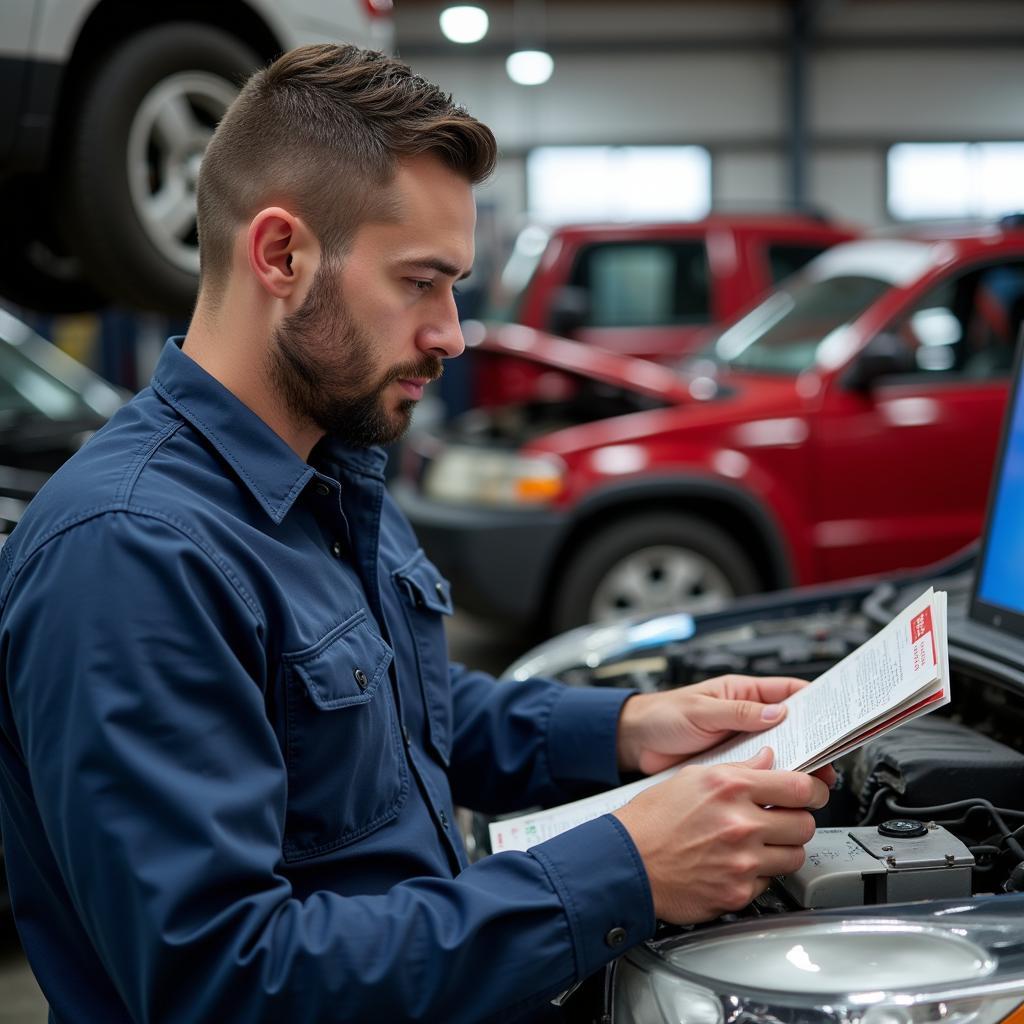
(890,863)
(937,761)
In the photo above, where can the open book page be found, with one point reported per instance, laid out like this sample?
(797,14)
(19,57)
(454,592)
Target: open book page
(528,829)
(900,673)
(876,682)
(933,696)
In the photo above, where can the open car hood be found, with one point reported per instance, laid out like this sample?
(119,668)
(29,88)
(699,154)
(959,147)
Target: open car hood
(573,357)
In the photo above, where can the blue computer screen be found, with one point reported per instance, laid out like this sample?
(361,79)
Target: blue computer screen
(1002,574)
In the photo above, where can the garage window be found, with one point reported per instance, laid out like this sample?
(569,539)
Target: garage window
(955,179)
(586,183)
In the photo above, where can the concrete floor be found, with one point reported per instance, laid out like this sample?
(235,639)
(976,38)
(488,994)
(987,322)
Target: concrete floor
(476,644)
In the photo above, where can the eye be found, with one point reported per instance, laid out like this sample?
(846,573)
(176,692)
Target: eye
(421,284)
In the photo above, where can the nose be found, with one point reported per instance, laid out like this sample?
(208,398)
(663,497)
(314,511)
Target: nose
(442,336)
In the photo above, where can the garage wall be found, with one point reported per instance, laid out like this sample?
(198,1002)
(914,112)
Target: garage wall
(718,74)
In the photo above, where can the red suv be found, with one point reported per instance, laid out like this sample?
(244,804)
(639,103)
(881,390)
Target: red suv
(845,425)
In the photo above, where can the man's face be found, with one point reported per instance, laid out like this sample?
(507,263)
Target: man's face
(374,328)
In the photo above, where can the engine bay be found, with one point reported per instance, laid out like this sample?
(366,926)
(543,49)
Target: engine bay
(930,810)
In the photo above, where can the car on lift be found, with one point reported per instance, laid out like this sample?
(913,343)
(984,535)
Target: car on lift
(108,106)
(846,424)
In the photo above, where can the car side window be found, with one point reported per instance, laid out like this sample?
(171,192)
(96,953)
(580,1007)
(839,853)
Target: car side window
(967,327)
(647,284)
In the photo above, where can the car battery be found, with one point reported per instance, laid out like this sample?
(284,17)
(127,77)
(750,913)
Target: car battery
(901,859)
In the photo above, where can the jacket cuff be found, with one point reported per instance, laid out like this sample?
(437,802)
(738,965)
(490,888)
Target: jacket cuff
(581,740)
(597,872)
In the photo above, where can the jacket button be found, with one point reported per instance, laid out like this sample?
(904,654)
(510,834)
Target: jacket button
(444,819)
(440,590)
(336,549)
(361,678)
(615,937)
(321,488)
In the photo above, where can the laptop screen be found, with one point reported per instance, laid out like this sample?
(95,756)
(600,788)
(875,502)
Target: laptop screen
(998,597)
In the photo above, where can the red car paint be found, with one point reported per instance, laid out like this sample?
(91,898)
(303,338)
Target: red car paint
(813,476)
(735,258)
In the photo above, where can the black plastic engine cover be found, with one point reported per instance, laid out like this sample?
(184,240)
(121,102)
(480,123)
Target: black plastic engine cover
(934,761)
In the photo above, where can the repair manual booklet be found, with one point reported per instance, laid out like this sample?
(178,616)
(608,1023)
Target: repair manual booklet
(900,673)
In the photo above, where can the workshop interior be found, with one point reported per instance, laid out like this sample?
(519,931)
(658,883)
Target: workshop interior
(744,340)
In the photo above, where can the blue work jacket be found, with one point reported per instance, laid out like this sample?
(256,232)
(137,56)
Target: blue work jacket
(231,740)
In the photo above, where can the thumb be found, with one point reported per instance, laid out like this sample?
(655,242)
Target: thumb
(737,715)
(764,758)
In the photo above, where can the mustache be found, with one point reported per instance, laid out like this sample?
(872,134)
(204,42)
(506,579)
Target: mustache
(429,368)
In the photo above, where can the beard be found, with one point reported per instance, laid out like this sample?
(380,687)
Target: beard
(321,362)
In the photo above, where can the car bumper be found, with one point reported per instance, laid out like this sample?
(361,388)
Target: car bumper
(497,560)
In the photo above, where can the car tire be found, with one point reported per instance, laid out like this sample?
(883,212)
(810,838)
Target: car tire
(136,138)
(651,563)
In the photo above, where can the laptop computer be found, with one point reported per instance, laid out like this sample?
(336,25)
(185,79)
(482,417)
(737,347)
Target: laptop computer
(994,627)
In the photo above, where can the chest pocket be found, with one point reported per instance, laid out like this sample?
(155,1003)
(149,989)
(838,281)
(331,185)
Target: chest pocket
(427,599)
(347,773)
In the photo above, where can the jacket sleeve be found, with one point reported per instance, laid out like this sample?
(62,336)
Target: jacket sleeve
(135,665)
(522,743)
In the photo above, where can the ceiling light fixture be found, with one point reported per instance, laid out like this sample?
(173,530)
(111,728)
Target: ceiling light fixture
(529,67)
(464,24)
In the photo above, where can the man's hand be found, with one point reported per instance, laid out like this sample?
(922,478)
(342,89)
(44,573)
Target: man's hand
(712,837)
(658,730)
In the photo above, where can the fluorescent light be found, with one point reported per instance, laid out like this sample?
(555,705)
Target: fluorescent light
(464,24)
(529,67)
(955,179)
(573,183)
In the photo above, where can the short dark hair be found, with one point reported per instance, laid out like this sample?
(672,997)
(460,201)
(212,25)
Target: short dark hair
(320,131)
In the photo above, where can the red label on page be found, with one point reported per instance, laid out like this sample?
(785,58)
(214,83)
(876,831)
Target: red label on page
(920,627)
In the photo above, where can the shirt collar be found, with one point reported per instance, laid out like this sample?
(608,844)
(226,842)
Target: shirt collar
(263,461)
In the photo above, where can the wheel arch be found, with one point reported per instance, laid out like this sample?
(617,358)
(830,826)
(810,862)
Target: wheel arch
(729,508)
(112,21)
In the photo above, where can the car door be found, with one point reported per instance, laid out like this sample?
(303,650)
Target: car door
(902,466)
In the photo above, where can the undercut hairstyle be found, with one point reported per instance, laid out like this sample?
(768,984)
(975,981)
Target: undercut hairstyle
(320,132)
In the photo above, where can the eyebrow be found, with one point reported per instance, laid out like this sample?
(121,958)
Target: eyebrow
(441,266)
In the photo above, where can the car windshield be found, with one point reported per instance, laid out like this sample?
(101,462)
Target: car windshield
(782,334)
(38,379)
(505,300)
(26,390)
(785,333)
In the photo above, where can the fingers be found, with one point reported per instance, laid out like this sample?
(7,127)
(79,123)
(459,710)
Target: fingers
(717,716)
(763,759)
(782,827)
(781,860)
(788,789)
(711,837)
(764,689)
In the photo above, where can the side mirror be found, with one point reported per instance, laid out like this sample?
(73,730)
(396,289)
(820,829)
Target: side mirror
(885,355)
(570,307)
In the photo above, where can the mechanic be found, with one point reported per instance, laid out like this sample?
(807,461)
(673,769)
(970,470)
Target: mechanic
(230,737)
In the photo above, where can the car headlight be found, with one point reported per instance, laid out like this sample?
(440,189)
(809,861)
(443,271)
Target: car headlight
(489,477)
(834,971)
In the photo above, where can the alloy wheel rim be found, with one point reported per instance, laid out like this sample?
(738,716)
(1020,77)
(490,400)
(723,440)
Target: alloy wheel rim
(659,578)
(166,141)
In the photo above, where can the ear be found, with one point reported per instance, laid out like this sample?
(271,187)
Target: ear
(282,252)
